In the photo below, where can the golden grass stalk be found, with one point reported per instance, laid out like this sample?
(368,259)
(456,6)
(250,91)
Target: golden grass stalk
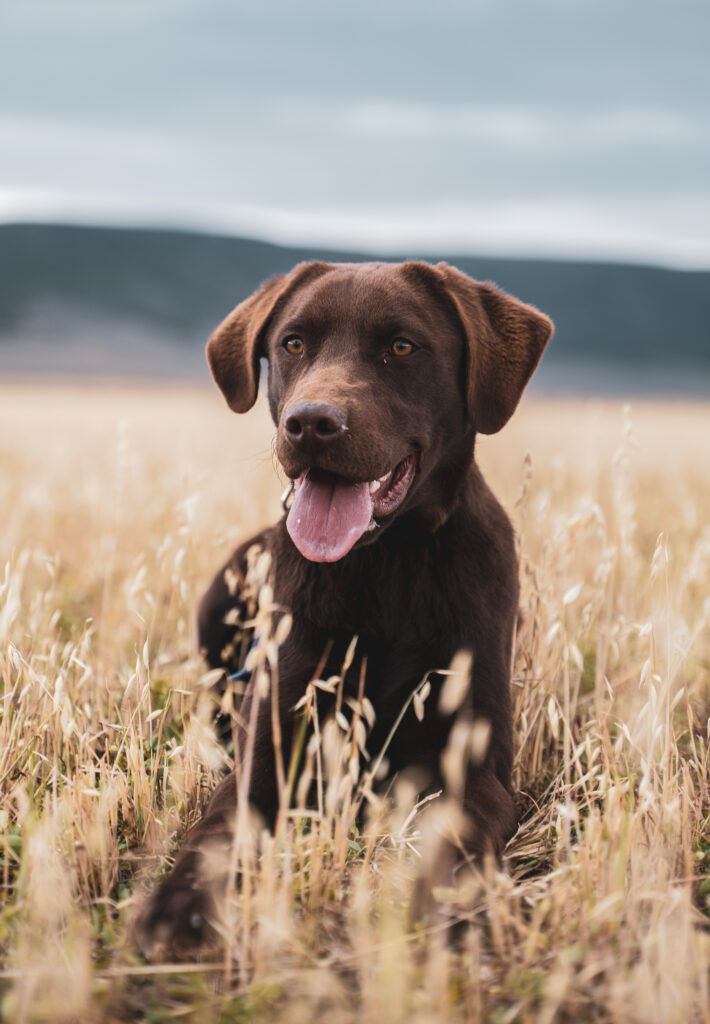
(107,749)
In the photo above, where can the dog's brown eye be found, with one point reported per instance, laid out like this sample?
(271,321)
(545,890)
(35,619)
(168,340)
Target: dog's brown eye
(402,347)
(294,346)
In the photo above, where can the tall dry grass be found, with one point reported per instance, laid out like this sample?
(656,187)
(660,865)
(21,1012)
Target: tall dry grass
(116,507)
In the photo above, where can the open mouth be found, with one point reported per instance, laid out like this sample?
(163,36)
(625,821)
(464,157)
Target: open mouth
(330,514)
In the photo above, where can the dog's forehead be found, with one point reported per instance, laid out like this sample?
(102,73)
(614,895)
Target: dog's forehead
(368,295)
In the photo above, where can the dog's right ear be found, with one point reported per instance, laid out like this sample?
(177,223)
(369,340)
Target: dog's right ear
(236,346)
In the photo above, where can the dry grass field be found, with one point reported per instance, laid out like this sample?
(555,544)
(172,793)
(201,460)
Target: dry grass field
(117,504)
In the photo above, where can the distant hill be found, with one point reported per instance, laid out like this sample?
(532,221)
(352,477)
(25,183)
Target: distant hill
(136,301)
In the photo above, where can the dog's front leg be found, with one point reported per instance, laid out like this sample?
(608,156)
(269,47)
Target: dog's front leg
(183,913)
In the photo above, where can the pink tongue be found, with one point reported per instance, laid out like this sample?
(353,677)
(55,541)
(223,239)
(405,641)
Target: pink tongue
(328,515)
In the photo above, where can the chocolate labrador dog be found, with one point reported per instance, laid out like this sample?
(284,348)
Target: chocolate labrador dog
(380,377)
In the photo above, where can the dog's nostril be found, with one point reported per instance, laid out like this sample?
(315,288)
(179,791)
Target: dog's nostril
(326,427)
(293,427)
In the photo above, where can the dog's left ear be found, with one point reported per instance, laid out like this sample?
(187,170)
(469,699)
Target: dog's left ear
(505,340)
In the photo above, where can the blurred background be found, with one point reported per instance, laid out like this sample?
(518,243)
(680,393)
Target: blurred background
(159,159)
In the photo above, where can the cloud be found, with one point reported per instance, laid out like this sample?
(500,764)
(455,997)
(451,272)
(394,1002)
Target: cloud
(522,128)
(678,235)
(624,183)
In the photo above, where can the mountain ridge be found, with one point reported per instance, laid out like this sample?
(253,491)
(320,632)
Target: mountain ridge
(128,291)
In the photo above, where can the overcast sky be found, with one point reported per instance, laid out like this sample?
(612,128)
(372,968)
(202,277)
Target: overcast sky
(537,127)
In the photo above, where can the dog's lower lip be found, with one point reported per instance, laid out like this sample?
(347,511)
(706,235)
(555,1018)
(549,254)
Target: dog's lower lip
(395,490)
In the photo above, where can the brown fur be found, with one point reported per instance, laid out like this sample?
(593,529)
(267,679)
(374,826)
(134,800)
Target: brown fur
(437,576)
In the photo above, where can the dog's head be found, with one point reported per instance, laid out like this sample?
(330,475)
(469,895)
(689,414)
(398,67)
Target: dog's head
(379,377)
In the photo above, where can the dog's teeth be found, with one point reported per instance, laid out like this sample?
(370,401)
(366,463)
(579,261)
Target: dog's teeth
(376,485)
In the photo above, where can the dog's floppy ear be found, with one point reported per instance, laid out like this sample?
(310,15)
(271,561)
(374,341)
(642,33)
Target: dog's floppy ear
(236,346)
(505,339)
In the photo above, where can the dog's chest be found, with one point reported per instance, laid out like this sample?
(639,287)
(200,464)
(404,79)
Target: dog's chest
(394,596)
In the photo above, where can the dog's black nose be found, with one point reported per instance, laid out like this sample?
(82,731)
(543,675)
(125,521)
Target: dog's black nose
(312,425)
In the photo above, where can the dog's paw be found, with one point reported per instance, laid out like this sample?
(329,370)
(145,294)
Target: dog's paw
(177,921)
(437,875)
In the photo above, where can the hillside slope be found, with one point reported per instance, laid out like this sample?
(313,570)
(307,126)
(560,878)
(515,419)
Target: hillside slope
(76,298)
